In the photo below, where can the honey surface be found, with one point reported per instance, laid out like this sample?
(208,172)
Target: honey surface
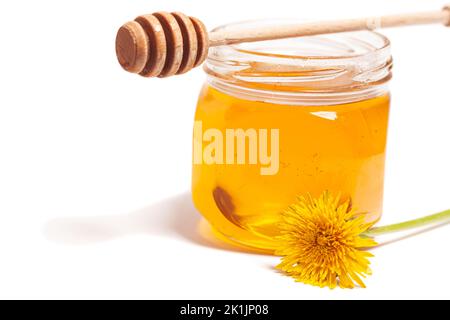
(340,148)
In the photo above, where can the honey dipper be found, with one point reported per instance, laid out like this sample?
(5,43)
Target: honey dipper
(164,44)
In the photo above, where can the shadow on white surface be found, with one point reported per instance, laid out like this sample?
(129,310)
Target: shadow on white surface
(175,217)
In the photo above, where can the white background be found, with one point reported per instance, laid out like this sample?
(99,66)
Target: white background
(95,162)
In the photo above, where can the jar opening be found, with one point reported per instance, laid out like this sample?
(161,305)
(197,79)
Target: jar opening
(335,68)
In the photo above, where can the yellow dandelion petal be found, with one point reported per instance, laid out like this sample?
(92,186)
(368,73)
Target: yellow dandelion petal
(321,242)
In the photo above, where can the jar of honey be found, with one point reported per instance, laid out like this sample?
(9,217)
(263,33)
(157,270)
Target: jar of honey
(285,118)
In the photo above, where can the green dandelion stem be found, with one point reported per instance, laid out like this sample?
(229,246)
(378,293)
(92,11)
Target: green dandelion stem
(436,218)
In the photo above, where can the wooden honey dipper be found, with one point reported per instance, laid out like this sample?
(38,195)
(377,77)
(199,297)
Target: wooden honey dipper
(164,44)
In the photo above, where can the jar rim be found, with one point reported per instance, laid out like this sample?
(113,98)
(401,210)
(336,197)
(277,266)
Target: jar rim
(384,41)
(323,66)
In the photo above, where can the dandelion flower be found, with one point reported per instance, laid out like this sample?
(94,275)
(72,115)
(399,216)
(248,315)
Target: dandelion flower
(322,242)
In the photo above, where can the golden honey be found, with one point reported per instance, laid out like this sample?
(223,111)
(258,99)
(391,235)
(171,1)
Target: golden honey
(323,126)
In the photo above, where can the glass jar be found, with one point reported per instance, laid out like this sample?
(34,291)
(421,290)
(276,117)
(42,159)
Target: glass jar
(284,118)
